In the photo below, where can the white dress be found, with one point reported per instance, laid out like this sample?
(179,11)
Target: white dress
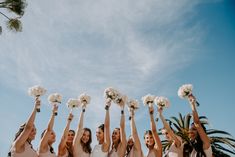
(173,151)
(97,152)
(113,153)
(151,154)
(28,151)
(208,152)
(47,154)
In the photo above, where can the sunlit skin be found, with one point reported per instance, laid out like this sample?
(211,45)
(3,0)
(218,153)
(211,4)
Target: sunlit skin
(192,132)
(149,140)
(116,136)
(70,137)
(100,136)
(166,135)
(86,136)
(32,134)
(52,137)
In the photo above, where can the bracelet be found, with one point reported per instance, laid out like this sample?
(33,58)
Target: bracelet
(83,110)
(122,112)
(69,119)
(151,112)
(130,118)
(106,107)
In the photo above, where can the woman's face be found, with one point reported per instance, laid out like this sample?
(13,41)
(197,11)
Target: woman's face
(166,135)
(86,136)
(192,132)
(130,141)
(149,141)
(116,136)
(52,137)
(70,137)
(100,135)
(32,133)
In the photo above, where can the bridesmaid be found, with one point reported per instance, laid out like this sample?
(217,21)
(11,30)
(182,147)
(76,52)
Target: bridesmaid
(119,137)
(22,146)
(133,145)
(82,140)
(48,138)
(103,135)
(152,139)
(65,146)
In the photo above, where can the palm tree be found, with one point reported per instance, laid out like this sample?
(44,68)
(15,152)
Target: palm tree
(222,143)
(17,7)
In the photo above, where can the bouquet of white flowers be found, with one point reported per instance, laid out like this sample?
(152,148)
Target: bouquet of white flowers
(148,100)
(132,106)
(185,91)
(55,99)
(37,91)
(84,99)
(121,98)
(162,102)
(72,103)
(110,93)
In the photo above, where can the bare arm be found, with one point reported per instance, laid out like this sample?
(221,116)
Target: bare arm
(79,130)
(62,145)
(44,141)
(20,141)
(200,130)
(122,133)
(158,144)
(167,127)
(134,132)
(106,143)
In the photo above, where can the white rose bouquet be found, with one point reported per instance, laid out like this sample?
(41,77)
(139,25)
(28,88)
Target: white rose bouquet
(121,98)
(148,100)
(84,99)
(110,93)
(132,106)
(185,91)
(37,91)
(55,99)
(162,102)
(72,103)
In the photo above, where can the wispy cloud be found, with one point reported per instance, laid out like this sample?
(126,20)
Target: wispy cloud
(75,46)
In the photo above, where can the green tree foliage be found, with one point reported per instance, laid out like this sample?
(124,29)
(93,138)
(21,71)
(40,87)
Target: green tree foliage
(17,7)
(222,143)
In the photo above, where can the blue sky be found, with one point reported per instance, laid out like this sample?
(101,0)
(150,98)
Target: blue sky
(138,47)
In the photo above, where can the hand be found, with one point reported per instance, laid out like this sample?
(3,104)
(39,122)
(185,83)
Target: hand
(160,110)
(55,108)
(108,102)
(37,103)
(70,118)
(191,99)
(151,109)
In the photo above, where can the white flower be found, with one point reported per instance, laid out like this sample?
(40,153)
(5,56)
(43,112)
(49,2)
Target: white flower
(110,93)
(185,90)
(73,103)
(148,99)
(133,104)
(36,91)
(55,98)
(84,99)
(162,102)
(120,98)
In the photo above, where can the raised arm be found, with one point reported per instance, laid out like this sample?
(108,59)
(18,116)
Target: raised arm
(167,127)
(106,143)
(76,142)
(44,141)
(62,145)
(122,132)
(134,132)
(158,144)
(20,141)
(197,123)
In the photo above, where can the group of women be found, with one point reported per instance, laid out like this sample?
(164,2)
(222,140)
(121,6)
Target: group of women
(78,143)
